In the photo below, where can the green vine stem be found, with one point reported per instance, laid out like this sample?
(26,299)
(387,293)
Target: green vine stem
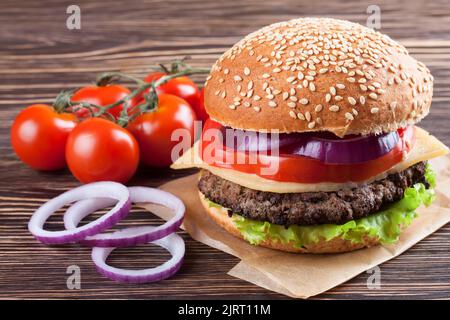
(63,100)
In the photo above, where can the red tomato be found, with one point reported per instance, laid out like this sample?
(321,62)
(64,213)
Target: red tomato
(153,130)
(182,87)
(39,135)
(98,149)
(292,168)
(102,96)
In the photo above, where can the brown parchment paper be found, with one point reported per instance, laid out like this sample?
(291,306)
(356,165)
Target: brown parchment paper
(304,275)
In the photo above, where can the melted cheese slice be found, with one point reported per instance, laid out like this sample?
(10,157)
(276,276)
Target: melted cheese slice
(425,148)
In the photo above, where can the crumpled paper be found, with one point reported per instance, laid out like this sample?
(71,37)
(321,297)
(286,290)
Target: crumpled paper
(304,275)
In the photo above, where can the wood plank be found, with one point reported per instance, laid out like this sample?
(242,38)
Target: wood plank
(39,57)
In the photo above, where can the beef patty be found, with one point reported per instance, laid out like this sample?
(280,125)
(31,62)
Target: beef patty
(310,207)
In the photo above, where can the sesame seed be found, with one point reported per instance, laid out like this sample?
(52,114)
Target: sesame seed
(237,99)
(351,100)
(290,79)
(362,100)
(285,95)
(232,106)
(318,108)
(293,98)
(374,110)
(300,76)
(226,71)
(247,104)
(340,86)
(373,95)
(237,78)
(300,116)
(304,101)
(291,104)
(292,114)
(270,96)
(363,87)
(311,125)
(338,98)
(323,70)
(334,108)
(349,116)
(312,87)
(333,90)
(266,75)
(246,71)
(256,98)
(351,79)
(362,80)
(355,112)
(250,85)
(308,116)
(217,93)
(276,70)
(272,104)
(223,95)
(257,109)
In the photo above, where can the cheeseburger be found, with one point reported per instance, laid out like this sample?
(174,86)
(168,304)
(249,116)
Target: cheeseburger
(311,145)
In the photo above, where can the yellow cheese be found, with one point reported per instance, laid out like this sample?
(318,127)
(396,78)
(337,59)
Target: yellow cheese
(425,148)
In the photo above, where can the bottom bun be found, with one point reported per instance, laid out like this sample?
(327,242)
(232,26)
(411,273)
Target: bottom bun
(335,245)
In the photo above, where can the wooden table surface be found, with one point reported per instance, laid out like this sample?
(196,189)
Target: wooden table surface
(39,57)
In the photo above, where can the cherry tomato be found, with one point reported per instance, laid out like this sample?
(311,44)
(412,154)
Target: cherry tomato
(293,168)
(102,96)
(182,87)
(98,149)
(153,130)
(39,135)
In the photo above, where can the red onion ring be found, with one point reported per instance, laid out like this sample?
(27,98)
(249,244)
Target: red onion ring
(81,209)
(108,189)
(173,243)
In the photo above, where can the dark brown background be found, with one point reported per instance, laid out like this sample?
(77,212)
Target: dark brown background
(39,57)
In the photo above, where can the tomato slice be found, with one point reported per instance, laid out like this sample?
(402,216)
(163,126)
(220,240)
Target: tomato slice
(293,168)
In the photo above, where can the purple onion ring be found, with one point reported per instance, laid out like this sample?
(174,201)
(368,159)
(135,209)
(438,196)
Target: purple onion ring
(108,189)
(81,209)
(173,243)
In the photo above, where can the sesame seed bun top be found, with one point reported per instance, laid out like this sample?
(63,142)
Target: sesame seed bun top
(318,74)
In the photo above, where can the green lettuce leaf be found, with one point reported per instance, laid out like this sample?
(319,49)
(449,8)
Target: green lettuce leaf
(385,225)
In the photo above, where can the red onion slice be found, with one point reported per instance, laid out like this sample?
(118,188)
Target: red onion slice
(81,209)
(322,146)
(108,189)
(173,243)
(333,150)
